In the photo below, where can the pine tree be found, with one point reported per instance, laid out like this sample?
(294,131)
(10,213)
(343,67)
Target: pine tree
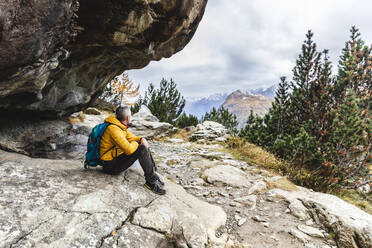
(355,72)
(305,72)
(187,120)
(349,148)
(166,103)
(222,116)
(355,67)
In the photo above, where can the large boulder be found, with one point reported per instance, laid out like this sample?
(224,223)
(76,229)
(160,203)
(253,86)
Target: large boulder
(56,56)
(145,124)
(209,130)
(226,174)
(56,203)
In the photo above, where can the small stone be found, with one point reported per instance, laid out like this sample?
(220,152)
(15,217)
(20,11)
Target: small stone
(249,201)
(266,224)
(242,221)
(310,245)
(298,210)
(312,231)
(287,211)
(300,235)
(257,188)
(274,238)
(232,204)
(310,222)
(223,194)
(237,217)
(92,111)
(258,218)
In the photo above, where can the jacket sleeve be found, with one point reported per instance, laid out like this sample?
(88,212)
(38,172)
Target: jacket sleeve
(131,137)
(118,135)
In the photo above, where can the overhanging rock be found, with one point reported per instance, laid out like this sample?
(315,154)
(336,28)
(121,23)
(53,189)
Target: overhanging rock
(56,56)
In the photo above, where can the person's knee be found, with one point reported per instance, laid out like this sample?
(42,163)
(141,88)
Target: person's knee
(142,149)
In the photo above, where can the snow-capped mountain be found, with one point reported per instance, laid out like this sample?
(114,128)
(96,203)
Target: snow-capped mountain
(239,102)
(199,106)
(270,92)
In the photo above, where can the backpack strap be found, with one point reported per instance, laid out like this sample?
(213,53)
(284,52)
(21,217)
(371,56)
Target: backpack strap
(113,145)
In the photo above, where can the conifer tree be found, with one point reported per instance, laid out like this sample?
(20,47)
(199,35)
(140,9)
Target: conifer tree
(305,73)
(166,103)
(355,67)
(349,148)
(222,116)
(187,120)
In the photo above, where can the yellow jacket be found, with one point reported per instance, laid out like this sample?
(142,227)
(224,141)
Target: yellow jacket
(117,140)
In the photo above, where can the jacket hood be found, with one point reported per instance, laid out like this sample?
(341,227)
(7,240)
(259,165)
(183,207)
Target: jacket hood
(112,119)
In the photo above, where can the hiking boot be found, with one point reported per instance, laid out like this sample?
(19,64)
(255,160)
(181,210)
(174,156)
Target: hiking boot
(159,180)
(155,187)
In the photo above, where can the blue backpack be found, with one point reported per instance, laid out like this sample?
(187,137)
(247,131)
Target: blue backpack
(92,157)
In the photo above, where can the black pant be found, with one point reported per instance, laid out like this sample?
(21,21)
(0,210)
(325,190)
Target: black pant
(123,162)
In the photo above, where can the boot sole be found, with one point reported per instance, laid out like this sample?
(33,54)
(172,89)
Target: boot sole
(158,193)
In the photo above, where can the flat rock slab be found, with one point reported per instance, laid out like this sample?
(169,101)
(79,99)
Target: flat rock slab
(226,174)
(56,203)
(352,226)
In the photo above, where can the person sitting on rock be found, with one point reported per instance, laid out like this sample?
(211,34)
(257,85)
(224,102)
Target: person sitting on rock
(119,149)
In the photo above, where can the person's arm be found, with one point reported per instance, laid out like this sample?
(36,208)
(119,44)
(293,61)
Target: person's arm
(121,140)
(131,137)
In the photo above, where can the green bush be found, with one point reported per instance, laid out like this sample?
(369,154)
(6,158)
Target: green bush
(187,120)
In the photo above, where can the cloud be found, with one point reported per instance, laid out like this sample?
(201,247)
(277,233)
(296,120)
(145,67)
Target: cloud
(244,44)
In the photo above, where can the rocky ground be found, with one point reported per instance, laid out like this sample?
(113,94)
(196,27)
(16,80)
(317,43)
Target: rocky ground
(212,200)
(256,217)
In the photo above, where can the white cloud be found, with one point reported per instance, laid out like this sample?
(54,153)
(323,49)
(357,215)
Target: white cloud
(243,44)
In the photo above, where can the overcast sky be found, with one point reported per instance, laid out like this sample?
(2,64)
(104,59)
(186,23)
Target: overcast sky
(244,44)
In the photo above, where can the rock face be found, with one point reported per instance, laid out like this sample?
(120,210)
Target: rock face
(56,56)
(67,138)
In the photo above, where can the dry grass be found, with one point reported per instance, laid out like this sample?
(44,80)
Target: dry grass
(256,155)
(283,184)
(79,118)
(253,154)
(182,134)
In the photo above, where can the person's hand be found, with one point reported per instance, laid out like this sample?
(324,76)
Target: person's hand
(145,143)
